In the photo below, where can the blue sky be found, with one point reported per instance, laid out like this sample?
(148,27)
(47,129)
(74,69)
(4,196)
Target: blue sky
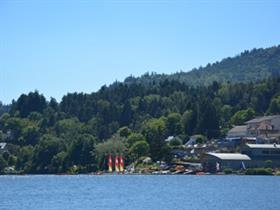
(58,47)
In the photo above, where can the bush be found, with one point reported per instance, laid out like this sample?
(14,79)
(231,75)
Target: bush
(200,139)
(124,132)
(227,171)
(268,163)
(3,163)
(175,142)
(140,148)
(258,171)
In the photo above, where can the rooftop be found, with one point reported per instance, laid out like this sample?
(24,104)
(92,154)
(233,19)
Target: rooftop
(260,119)
(3,145)
(229,156)
(239,128)
(264,146)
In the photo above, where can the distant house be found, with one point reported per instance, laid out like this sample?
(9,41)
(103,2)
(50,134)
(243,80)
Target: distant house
(237,131)
(235,136)
(267,127)
(193,140)
(3,147)
(261,129)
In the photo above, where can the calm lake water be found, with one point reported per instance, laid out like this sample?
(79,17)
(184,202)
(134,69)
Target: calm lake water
(139,192)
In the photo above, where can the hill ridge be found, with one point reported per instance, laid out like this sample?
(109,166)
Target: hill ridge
(249,65)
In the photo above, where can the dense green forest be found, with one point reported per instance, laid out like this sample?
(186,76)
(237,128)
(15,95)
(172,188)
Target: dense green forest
(76,134)
(253,65)
(134,118)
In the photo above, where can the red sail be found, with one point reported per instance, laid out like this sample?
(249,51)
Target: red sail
(121,164)
(110,163)
(117,165)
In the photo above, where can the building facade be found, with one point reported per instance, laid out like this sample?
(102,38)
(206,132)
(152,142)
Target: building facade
(266,128)
(263,155)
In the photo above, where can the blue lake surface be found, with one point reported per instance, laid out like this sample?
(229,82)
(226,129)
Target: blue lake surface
(135,192)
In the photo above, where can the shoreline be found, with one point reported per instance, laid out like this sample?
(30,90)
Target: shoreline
(142,174)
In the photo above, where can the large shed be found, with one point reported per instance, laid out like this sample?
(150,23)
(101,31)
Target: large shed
(224,160)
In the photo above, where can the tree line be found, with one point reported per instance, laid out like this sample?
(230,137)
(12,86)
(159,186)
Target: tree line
(77,134)
(250,65)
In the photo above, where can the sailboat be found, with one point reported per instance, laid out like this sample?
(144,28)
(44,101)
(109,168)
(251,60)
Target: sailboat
(110,164)
(121,164)
(117,166)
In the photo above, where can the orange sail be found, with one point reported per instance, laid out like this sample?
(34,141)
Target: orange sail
(110,164)
(121,164)
(117,166)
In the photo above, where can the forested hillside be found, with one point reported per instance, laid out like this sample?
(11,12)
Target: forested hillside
(254,65)
(76,134)
(134,118)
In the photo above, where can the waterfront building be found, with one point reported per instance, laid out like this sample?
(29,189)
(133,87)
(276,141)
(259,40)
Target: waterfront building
(234,161)
(263,155)
(251,156)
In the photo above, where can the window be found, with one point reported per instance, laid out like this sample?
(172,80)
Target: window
(275,152)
